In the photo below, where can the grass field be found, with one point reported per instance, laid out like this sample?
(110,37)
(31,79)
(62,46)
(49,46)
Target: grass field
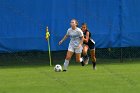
(108,78)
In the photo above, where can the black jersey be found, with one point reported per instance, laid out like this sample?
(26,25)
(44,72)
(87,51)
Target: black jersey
(90,41)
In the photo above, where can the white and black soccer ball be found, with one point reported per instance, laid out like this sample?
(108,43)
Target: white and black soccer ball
(58,68)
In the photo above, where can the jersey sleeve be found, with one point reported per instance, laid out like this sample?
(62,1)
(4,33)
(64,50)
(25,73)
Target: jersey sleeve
(67,32)
(81,33)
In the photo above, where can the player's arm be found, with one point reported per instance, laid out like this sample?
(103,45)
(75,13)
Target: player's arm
(81,42)
(87,37)
(63,39)
(81,39)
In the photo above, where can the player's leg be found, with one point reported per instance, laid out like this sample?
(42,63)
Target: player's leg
(93,58)
(85,49)
(78,52)
(68,57)
(78,57)
(85,55)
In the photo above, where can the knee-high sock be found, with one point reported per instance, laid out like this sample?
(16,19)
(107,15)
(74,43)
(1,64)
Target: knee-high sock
(66,63)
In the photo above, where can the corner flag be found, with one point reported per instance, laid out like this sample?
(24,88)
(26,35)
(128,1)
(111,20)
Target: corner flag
(47,38)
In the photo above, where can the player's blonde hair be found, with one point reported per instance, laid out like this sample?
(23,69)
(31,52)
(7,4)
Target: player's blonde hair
(76,22)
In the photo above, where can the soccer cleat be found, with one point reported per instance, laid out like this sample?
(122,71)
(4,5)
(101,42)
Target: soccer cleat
(94,68)
(82,63)
(86,61)
(64,70)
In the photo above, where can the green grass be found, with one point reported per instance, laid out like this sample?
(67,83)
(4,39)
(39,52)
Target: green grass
(108,78)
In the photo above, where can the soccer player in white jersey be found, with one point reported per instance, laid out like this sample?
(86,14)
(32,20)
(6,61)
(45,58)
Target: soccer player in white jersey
(75,45)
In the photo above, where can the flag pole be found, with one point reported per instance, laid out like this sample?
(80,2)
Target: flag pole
(47,38)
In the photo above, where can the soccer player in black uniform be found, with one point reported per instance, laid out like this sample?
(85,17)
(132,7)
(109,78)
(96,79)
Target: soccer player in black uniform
(88,43)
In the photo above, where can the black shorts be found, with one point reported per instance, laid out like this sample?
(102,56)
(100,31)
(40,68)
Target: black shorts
(91,46)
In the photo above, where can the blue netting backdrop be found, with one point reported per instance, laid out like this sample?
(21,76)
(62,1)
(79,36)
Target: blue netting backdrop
(113,23)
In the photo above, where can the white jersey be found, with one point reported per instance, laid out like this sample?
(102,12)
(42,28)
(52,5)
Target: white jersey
(75,36)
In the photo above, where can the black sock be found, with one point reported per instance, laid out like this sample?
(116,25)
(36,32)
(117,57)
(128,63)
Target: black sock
(85,57)
(94,64)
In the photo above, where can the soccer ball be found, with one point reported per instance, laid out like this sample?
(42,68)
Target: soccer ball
(57,68)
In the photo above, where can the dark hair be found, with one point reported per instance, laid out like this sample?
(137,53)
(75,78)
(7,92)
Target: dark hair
(76,22)
(85,25)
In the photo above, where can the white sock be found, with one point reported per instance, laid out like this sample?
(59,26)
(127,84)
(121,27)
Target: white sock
(66,63)
(81,59)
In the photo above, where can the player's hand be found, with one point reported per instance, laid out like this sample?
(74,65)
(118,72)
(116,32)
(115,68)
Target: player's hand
(79,46)
(60,42)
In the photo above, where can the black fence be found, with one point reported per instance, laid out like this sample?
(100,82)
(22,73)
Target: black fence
(122,54)
(42,58)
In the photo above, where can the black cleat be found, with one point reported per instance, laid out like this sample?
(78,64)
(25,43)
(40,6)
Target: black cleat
(64,70)
(94,68)
(86,60)
(82,63)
